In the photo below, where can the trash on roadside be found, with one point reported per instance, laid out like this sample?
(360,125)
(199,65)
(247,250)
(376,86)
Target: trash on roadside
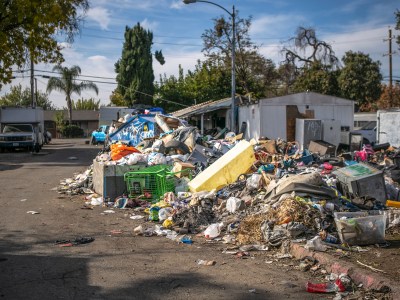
(75,242)
(206,262)
(330,287)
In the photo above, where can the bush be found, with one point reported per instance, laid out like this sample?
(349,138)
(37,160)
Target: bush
(72,131)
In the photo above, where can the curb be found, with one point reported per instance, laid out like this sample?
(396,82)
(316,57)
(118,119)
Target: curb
(368,279)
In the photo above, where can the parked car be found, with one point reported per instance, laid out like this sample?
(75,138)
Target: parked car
(368,132)
(99,135)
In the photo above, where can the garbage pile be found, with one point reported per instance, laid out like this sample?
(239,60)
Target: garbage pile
(262,192)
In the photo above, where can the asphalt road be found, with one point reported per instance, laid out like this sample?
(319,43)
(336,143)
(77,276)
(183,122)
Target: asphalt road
(120,266)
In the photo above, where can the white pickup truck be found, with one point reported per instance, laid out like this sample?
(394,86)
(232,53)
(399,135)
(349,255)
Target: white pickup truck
(21,127)
(26,136)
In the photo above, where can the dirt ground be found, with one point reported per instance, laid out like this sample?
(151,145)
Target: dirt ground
(118,266)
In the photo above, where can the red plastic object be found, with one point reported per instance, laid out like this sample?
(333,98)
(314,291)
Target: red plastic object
(330,287)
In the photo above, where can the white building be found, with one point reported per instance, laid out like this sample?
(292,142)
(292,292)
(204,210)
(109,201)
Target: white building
(276,117)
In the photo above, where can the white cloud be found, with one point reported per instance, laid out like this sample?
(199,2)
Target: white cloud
(100,15)
(152,26)
(275,25)
(172,61)
(177,4)
(64,45)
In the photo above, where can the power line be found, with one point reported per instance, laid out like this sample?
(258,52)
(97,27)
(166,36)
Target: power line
(122,39)
(136,91)
(80,75)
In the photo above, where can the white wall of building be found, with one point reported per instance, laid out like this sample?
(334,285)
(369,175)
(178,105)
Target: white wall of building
(268,117)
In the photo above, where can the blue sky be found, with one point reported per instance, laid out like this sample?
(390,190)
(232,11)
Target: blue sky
(358,25)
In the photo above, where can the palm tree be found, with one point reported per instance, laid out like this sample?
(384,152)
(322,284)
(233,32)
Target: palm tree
(67,84)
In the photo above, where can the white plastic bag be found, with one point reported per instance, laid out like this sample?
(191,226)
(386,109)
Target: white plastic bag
(164,213)
(254,182)
(234,204)
(212,231)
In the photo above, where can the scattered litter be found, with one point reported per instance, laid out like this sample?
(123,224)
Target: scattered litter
(23,200)
(206,262)
(109,211)
(261,195)
(116,231)
(75,242)
(32,212)
(369,267)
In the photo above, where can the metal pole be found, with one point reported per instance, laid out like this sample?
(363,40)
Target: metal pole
(233,88)
(32,82)
(36,94)
(233,119)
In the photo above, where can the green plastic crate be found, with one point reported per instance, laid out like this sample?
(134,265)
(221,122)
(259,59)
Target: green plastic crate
(153,181)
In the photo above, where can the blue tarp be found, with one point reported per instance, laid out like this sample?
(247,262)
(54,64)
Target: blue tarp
(136,129)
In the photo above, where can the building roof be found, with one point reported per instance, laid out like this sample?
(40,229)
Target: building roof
(307,96)
(202,108)
(77,115)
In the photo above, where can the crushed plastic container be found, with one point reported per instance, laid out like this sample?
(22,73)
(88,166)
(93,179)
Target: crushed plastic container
(360,228)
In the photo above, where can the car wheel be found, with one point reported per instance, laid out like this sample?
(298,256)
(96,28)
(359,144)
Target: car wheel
(176,146)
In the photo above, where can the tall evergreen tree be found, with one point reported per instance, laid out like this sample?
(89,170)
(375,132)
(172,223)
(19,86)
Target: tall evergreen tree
(135,75)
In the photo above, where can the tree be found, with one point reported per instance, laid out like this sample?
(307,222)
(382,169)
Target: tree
(360,79)
(389,97)
(254,73)
(206,82)
(306,49)
(86,104)
(28,30)
(135,75)
(117,99)
(22,97)
(60,121)
(315,78)
(67,84)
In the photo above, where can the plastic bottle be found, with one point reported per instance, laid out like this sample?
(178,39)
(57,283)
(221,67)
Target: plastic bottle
(330,287)
(212,231)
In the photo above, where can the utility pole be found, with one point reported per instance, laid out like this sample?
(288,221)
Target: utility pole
(32,82)
(390,54)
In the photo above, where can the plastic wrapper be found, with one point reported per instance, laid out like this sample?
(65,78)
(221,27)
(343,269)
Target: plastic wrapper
(156,159)
(254,182)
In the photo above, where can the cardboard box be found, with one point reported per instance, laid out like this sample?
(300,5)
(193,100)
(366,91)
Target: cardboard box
(322,148)
(182,169)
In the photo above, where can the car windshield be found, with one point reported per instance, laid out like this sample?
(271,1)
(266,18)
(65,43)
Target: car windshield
(17,128)
(370,126)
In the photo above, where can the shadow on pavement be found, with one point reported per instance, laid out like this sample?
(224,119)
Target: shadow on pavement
(41,276)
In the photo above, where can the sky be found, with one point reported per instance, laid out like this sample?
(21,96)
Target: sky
(356,25)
